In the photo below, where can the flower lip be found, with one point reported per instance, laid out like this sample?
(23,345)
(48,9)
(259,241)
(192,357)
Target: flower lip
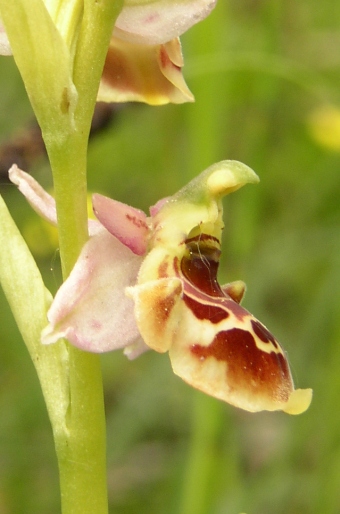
(214,344)
(144,73)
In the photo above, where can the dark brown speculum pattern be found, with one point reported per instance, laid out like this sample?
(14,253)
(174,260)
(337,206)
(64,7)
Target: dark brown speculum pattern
(248,367)
(200,266)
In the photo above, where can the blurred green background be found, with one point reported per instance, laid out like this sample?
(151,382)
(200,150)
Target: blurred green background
(266,77)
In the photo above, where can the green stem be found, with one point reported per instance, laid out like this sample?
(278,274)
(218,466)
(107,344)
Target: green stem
(81,451)
(68,163)
(98,19)
(81,448)
(68,157)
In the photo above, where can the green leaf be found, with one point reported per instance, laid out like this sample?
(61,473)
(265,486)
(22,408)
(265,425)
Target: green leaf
(44,61)
(29,300)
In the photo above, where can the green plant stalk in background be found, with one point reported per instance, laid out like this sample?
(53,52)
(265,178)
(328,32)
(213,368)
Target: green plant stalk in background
(204,147)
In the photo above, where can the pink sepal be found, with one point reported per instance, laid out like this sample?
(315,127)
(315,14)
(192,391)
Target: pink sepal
(37,197)
(90,308)
(154,23)
(42,202)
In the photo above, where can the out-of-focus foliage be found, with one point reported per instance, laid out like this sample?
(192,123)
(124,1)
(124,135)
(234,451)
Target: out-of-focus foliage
(260,70)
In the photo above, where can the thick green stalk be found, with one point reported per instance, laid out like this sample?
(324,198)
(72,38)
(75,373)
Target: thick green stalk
(81,450)
(81,447)
(68,163)
(68,156)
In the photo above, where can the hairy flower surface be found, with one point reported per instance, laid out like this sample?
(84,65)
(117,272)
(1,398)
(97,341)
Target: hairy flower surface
(151,282)
(144,61)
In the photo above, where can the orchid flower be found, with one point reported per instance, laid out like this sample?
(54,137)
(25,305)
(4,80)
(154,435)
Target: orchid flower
(144,59)
(151,283)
